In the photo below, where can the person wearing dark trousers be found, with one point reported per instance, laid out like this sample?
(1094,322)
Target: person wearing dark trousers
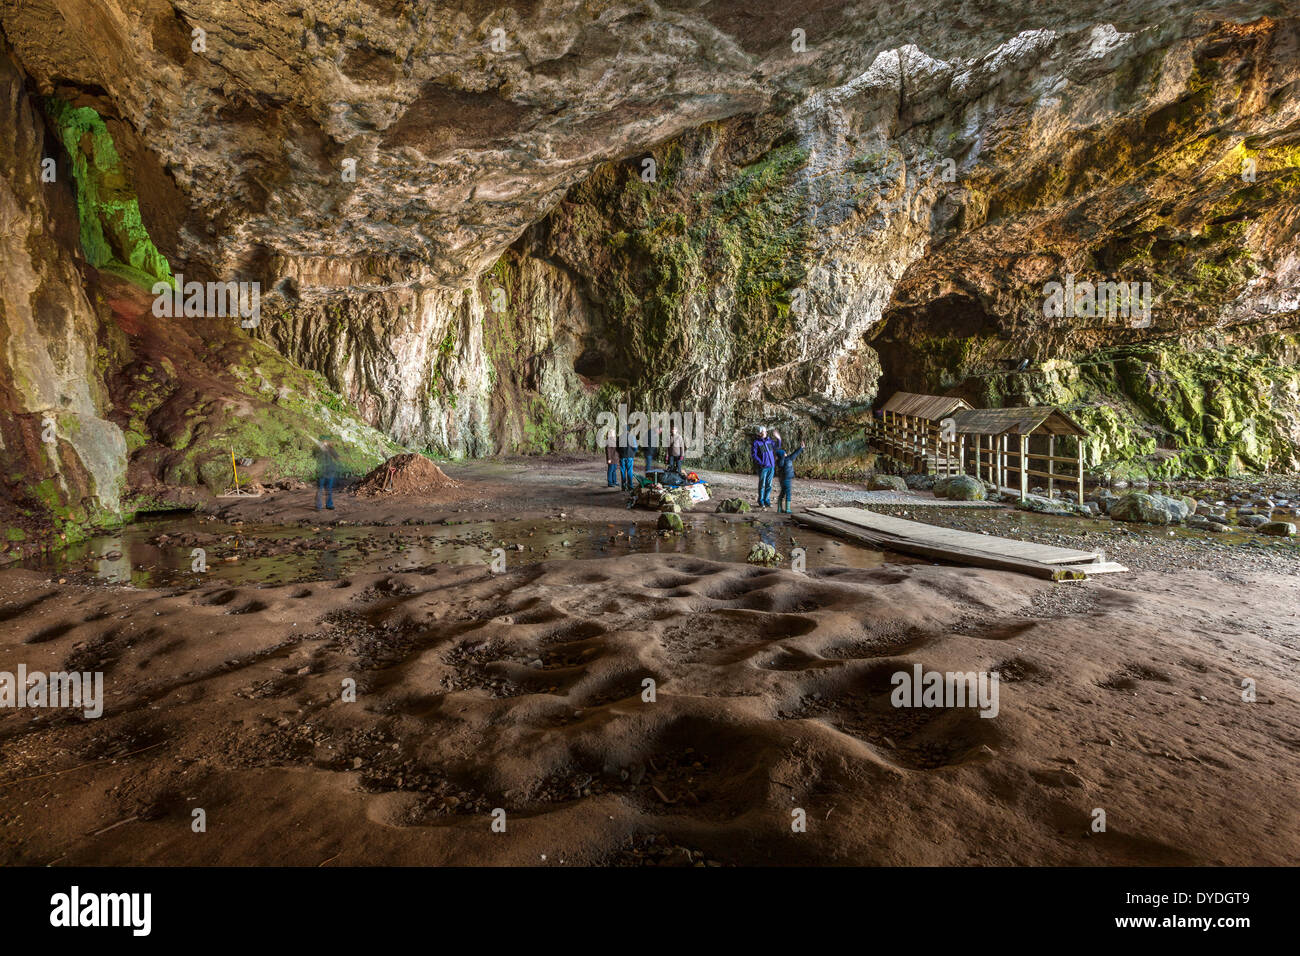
(627,460)
(652,441)
(327,469)
(761,452)
(676,449)
(611,458)
(785,471)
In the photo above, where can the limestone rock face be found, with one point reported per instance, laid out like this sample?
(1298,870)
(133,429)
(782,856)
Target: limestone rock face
(468,121)
(486,223)
(59,452)
(102,404)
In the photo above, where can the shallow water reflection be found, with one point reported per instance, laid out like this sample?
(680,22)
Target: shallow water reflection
(162,552)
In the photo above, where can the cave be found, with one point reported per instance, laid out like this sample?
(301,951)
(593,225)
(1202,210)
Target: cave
(938,346)
(536,434)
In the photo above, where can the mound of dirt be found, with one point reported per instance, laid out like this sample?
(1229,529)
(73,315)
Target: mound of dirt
(411,475)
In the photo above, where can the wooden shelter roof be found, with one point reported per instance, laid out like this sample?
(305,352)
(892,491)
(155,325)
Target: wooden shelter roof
(1040,419)
(932,407)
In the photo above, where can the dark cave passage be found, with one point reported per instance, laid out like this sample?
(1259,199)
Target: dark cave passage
(934,348)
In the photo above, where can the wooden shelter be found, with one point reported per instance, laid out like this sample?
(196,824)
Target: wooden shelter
(1002,434)
(996,442)
(910,429)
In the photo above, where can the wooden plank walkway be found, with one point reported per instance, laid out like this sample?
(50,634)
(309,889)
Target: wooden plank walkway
(963,546)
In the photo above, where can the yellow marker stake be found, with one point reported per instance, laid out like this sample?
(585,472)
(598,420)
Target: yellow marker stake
(234,468)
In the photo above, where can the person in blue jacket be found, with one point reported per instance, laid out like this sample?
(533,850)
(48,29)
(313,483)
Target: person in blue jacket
(761,451)
(785,471)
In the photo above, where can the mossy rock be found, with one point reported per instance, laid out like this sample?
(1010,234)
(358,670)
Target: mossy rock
(887,483)
(961,488)
(1278,529)
(1137,506)
(732,506)
(671,522)
(1040,505)
(764,554)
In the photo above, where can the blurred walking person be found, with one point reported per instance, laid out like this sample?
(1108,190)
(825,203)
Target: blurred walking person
(327,469)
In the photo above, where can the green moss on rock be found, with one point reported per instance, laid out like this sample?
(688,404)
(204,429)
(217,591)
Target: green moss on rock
(113,236)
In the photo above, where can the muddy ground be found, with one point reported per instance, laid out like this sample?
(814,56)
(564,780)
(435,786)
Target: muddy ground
(524,691)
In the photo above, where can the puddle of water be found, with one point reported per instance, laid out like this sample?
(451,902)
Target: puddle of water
(161,552)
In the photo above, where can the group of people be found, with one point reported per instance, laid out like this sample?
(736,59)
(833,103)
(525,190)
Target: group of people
(768,454)
(771,458)
(621,451)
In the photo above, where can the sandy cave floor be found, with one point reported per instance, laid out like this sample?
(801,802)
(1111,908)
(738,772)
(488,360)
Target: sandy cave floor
(522,691)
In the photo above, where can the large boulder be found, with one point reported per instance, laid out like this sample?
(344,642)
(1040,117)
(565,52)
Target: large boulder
(1041,505)
(1104,498)
(961,488)
(1280,529)
(1141,507)
(1252,521)
(887,483)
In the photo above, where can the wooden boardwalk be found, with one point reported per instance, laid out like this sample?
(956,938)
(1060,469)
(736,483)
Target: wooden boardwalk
(963,547)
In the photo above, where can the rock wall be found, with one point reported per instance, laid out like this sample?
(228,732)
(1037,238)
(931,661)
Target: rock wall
(895,231)
(61,456)
(106,409)
(452,215)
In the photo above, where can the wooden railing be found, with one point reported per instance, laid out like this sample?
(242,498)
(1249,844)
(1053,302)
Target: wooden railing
(918,443)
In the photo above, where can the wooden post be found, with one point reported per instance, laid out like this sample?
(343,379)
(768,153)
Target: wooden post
(1024,466)
(1002,463)
(1051,453)
(961,454)
(1080,453)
